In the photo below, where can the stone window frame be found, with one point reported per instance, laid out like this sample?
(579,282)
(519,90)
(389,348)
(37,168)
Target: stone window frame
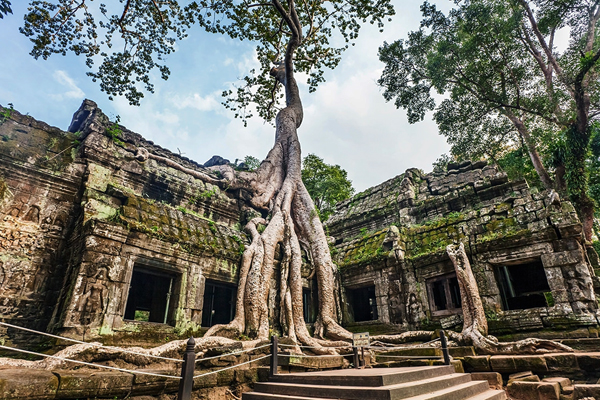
(364,285)
(429,284)
(176,290)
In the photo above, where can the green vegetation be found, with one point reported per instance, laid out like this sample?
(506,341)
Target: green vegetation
(510,97)
(6,112)
(326,184)
(250,163)
(114,132)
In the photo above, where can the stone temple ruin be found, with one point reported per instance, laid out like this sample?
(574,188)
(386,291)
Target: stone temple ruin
(96,244)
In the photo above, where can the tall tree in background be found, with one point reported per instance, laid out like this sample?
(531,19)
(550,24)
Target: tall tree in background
(507,83)
(290,36)
(326,184)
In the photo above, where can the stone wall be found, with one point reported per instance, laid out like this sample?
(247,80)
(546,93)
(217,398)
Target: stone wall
(78,212)
(83,217)
(393,236)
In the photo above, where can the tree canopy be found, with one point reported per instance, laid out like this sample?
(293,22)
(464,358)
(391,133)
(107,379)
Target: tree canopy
(327,184)
(5,8)
(505,83)
(130,39)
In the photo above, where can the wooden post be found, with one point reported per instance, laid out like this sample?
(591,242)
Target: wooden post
(274,345)
(445,348)
(186,383)
(356,362)
(363,362)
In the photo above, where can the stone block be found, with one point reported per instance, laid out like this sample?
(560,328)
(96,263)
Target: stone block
(206,381)
(563,382)
(548,391)
(91,384)
(503,364)
(226,377)
(531,363)
(586,391)
(246,375)
(28,384)
(148,384)
(477,363)
(562,258)
(494,379)
(588,361)
(561,361)
(519,390)
(463,351)
(520,375)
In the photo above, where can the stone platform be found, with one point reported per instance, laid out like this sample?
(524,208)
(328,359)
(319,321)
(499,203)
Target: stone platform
(414,383)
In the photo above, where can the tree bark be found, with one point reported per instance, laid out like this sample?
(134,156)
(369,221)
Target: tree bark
(475,328)
(277,187)
(536,160)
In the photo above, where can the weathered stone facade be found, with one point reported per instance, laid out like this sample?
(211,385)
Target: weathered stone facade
(83,220)
(393,237)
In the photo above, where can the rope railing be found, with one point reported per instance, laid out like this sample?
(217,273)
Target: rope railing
(99,345)
(232,366)
(189,358)
(87,363)
(232,354)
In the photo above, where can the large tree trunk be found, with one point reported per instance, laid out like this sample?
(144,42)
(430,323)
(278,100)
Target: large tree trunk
(536,160)
(277,187)
(475,328)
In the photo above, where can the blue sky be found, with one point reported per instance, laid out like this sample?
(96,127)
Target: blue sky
(346,122)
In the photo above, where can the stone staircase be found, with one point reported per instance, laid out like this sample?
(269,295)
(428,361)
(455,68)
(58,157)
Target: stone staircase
(410,383)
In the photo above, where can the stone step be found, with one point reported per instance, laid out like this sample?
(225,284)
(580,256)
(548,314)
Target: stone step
(415,352)
(468,390)
(270,396)
(365,377)
(391,392)
(490,394)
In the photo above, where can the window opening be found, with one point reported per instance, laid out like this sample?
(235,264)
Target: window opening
(219,303)
(149,298)
(522,286)
(364,303)
(444,294)
(310,301)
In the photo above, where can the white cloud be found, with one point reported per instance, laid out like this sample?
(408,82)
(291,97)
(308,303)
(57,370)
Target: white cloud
(73,91)
(201,103)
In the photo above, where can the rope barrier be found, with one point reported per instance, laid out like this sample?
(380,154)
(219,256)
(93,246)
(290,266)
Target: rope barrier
(233,366)
(314,347)
(231,354)
(418,357)
(320,356)
(419,346)
(86,363)
(89,344)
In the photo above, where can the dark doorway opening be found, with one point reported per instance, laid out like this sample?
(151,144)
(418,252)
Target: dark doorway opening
(149,297)
(444,294)
(363,303)
(219,303)
(310,301)
(522,286)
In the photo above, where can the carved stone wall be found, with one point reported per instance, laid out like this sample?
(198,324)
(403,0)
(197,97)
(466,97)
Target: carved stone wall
(394,235)
(83,217)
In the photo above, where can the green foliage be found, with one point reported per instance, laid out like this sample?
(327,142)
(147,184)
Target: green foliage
(517,164)
(326,184)
(114,132)
(5,8)
(132,40)
(250,163)
(502,101)
(6,113)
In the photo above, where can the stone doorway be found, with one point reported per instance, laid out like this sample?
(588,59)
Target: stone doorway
(523,286)
(363,303)
(219,303)
(150,296)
